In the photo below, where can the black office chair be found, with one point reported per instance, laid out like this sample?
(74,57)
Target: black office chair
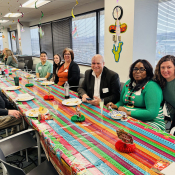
(21,60)
(46,168)
(21,65)
(20,141)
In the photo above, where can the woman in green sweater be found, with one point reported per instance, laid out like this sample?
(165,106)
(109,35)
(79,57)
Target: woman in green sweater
(10,59)
(165,77)
(141,97)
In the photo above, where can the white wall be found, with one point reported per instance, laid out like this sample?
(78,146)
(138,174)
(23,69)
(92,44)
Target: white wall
(5,40)
(121,67)
(145,30)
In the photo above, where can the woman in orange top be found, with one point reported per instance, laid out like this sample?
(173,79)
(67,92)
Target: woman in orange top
(69,70)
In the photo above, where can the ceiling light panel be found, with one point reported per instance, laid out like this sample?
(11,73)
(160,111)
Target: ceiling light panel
(3,21)
(31,3)
(10,15)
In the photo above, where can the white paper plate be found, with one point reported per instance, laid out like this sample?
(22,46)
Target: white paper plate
(34,112)
(47,83)
(1,63)
(72,102)
(30,76)
(15,69)
(12,88)
(40,79)
(27,98)
(116,114)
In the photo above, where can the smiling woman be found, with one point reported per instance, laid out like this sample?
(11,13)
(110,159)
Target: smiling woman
(165,77)
(69,70)
(141,97)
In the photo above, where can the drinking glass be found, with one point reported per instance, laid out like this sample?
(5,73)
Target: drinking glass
(35,92)
(101,105)
(55,105)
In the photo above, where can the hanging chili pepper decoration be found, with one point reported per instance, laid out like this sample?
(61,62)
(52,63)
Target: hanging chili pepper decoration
(19,22)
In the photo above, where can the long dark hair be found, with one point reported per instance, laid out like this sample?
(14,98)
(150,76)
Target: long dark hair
(157,75)
(55,66)
(149,74)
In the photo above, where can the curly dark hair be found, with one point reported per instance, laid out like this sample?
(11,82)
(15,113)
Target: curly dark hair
(55,66)
(149,74)
(157,74)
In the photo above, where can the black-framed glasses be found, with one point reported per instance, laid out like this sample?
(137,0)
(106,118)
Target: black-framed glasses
(140,69)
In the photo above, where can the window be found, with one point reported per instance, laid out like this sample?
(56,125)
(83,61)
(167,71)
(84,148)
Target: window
(13,41)
(84,38)
(35,41)
(1,42)
(101,36)
(46,40)
(165,44)
(61,35)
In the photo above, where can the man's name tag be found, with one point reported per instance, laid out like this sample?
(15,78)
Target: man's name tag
(39,68)
(66,70)
(105,90)
(138,92)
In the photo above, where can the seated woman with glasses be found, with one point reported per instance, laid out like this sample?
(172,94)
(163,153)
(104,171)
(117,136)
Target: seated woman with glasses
(141,97)
(10,59)
(69,70)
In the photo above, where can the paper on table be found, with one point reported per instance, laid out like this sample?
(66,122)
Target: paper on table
(169,170)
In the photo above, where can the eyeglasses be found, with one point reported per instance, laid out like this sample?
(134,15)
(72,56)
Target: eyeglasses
(67,54)
(140,70)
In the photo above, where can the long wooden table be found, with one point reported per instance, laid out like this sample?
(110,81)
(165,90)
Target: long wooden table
(88,147)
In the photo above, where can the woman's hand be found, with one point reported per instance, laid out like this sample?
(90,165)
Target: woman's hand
(121,108)
(112,105)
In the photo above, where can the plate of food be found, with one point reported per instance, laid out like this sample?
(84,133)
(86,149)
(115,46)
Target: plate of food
(12,88)
(47,83)
(34,112)
(72,102)
(15,69)
(40,79)
(117,114)
(25,98)
(29,76)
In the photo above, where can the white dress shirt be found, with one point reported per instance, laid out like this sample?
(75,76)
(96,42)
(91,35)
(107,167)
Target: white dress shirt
(97,85)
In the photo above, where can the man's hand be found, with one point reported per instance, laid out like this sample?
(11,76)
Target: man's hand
(84,97)
(14,113)
(95,101)
(112,105)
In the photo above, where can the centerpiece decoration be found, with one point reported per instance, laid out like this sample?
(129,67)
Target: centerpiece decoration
(29,84)
(49,97)
(78,117)
(125,143)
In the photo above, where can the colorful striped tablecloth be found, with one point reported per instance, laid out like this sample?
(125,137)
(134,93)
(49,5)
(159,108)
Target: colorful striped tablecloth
(88,147)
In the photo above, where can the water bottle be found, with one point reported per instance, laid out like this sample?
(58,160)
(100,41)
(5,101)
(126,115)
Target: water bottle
(2,70)
(66,90)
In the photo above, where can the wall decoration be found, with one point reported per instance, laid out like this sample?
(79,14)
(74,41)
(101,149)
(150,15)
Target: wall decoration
(13,37)
(117,51)
(22,30)
(41,32)
(74,32)
(73,9)
(123,28)
(3,36)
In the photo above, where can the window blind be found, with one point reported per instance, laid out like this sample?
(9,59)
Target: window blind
(165,44)
(61,35)
(84,38)
(46,40)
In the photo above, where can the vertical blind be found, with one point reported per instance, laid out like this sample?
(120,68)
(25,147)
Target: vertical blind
(61,35)
(46,40)
(165,44)
(101,36)
(84,38)
(35,41)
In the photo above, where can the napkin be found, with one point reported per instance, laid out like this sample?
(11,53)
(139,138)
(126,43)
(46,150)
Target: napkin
(169,170)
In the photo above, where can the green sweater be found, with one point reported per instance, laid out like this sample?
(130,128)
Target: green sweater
(169,96)
(10,61)
(146,103)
